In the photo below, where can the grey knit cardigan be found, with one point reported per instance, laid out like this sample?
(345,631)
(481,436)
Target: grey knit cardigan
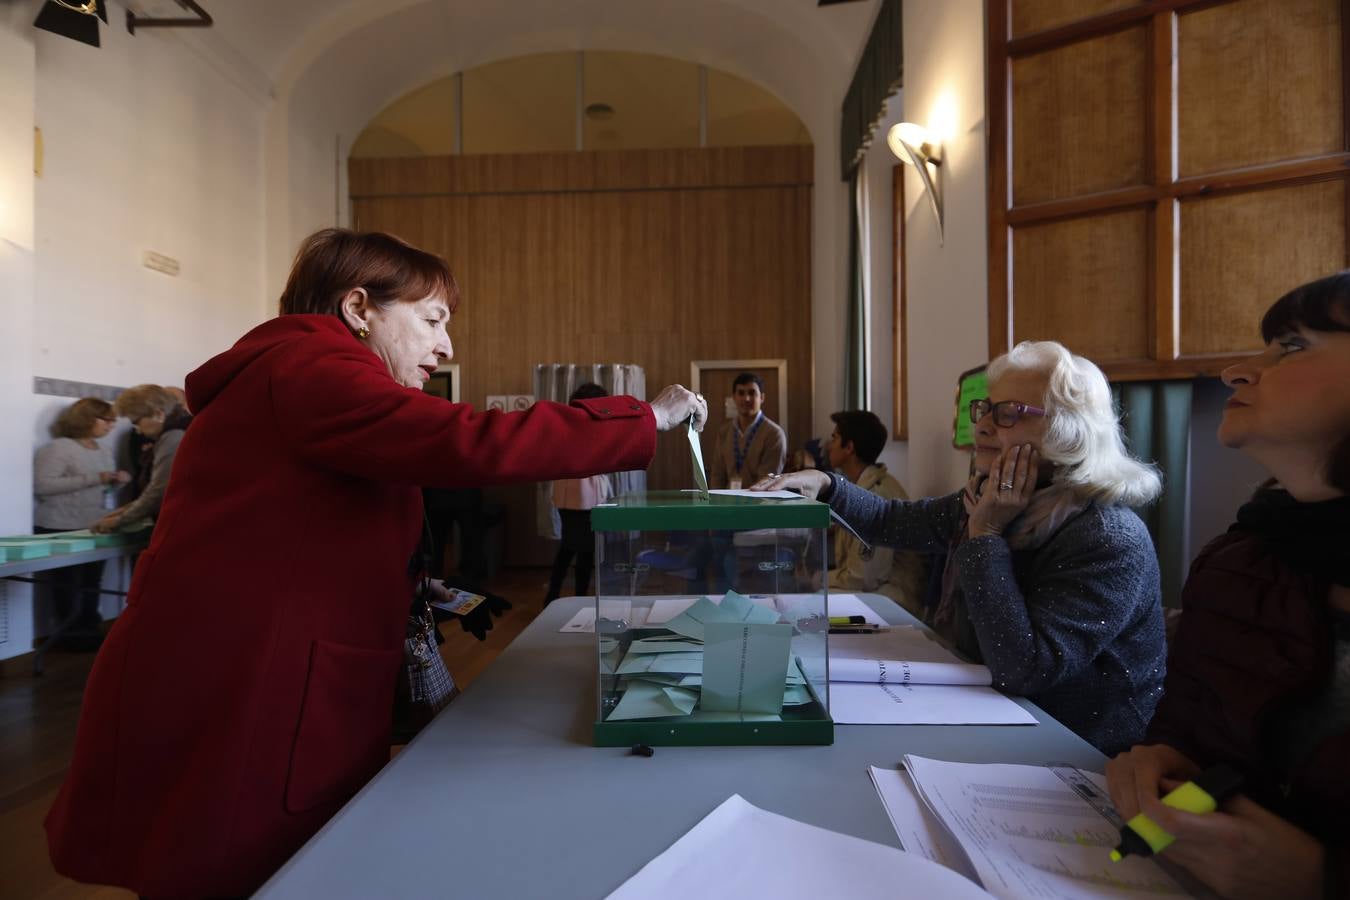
(1075,625)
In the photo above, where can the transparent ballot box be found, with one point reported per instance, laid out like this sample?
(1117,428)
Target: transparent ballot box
(711,621)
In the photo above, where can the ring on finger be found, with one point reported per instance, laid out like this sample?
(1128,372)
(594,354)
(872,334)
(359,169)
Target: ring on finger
(1005,485)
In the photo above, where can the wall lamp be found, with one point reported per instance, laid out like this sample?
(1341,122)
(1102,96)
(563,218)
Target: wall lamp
(915,145)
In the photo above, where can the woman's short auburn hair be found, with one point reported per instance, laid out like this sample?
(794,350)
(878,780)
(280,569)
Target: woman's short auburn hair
(333,262)
(77,420)
(143,401)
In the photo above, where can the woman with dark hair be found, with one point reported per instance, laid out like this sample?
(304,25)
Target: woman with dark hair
(1258,676)
(247,692)
(73,478)
(574,499)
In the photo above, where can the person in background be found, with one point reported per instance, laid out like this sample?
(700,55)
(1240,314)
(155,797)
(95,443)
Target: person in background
(853,449)
(73,480)
(179,396)
(154,415)
(1258,677)
(750,446)
(141,449)
(574,499)
(1051,579)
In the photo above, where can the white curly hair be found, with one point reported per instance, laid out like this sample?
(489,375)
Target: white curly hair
(1082,434)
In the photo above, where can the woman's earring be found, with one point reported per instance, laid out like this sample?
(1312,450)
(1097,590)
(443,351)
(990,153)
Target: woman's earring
(363,332)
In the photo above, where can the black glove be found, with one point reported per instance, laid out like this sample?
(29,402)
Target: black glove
(478,621)
(496,604)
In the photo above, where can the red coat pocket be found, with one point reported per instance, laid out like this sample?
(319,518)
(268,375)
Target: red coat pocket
(345,719)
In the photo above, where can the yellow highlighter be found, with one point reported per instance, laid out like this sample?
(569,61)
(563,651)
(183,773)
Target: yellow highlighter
(1141,836)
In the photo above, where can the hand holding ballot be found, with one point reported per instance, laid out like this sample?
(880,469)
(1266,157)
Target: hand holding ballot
(675,405)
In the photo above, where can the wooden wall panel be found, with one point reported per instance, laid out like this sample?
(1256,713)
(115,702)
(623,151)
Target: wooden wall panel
(590,171)
(1080,118)
(654,275)
(1079,282)
(1259,81)
(1030,16)
(1227,245)
(1233,164)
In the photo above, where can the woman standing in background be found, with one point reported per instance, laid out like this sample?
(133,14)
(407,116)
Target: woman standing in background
(73,480)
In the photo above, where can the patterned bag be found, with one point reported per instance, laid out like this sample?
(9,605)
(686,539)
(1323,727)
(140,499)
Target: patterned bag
(425,686)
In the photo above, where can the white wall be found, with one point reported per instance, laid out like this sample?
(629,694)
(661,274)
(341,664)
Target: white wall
(17,73)
(148,147)
(152,142)
(948,283)
(879,163)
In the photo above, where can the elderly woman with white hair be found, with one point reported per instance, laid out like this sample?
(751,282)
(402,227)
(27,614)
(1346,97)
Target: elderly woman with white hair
(1051,579)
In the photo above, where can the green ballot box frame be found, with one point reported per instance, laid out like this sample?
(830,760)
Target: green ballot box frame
(689,511)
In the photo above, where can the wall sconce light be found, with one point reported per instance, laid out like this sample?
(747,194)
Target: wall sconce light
(915,145)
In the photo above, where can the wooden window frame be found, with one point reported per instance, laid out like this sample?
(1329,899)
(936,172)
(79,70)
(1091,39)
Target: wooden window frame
(1160,196)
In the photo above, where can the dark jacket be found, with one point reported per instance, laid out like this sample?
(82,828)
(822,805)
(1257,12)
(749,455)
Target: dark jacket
(1255,639)
(1075,625)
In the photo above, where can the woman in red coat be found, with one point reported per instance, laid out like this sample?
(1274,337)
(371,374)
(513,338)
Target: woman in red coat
(246,692)
(1258,677)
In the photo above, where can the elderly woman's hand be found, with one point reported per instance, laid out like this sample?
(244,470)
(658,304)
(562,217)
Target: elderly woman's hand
(808,482)
(675,404)
(1004,494)
(107,524)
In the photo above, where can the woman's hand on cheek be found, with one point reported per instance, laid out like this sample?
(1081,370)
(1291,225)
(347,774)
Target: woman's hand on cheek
(1006,492)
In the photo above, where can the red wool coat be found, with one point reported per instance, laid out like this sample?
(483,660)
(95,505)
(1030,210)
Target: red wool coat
(246,692)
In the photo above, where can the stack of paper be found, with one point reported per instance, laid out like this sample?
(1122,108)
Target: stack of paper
(791,607)
(901,677)
(728,657)
(1020,831)
(739,851)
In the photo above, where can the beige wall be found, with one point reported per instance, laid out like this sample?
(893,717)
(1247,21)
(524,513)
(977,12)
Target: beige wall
(945,82)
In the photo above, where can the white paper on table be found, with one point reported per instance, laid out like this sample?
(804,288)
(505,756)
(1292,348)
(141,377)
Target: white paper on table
(740,851)
(907,642)
(852,703)
(757,495)
(1028,835)
(900,671)
(852,605)
(915,825)
(616,610)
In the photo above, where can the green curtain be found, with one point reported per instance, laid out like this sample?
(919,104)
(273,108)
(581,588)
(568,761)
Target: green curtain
(855,354)
(880,72)
(1156,418)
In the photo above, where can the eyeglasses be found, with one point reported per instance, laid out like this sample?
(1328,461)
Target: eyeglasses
(1006,414)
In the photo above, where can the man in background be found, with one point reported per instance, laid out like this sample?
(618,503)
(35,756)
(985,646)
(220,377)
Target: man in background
(751,446)
(853,449)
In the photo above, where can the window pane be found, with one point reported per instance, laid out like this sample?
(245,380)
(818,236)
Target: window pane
(652,101)
(521,105)
(741,114)
(420,123)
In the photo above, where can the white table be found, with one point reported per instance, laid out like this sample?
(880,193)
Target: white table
(504,796)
